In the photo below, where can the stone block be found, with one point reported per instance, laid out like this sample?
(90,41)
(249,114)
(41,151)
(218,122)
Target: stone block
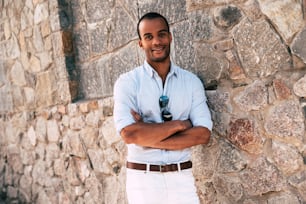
(261,177)
(205,59)
(229,159)
(253,97)
(100,38)
(46,87)
(94,8)
(228,189)
(121,22)
(281,89)
(243,133)
(183,51)
(287,23)
(299,87)
(41,12)
(260,58)
(53,133)
(227,17)
(285,158)
(286,121)
(81,42)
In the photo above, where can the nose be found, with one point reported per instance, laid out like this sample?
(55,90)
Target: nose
(156,40)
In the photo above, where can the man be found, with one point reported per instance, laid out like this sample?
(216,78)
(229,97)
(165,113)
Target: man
(160,112)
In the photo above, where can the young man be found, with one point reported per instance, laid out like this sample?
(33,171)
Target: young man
(160,112)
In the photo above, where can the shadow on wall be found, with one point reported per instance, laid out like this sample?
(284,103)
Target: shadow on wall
(67,19)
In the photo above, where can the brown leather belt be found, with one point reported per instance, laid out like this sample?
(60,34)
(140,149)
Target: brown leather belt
(159,168)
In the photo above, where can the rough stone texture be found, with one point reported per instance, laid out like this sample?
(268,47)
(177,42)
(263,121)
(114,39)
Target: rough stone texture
(260,58)
(59,60)
(261,177)
(243,134)
(281,20)
(253,97)
(286,121)
(297,45)
(299,87)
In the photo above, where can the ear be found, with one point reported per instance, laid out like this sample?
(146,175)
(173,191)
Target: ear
(140,43)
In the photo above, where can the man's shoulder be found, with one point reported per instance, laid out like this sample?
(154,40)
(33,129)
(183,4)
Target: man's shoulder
(132,73)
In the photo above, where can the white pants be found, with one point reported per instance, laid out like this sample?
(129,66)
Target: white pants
(161,188)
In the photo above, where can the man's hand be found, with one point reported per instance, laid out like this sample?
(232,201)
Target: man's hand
(136,116)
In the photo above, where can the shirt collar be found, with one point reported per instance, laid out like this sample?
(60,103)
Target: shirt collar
(151,71)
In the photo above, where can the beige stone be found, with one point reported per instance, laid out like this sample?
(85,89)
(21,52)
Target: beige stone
(289,22)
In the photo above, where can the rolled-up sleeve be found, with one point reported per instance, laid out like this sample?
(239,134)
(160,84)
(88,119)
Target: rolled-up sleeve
(124,101)
(200,114)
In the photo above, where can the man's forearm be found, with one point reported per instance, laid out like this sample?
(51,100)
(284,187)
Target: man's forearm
(184,139)
(148,134)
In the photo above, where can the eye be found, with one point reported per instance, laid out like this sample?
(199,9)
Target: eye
(148,37)
(163,34)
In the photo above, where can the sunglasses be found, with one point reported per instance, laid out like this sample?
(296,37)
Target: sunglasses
(163,103)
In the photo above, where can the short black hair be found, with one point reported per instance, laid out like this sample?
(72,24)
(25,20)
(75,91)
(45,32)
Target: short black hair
(152,15)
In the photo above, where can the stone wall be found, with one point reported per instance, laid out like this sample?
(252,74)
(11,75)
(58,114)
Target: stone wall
(58,63)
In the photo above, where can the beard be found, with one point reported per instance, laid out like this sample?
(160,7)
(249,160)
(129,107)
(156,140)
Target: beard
(160,58)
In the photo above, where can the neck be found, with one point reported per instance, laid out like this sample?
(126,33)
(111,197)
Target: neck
(162,68)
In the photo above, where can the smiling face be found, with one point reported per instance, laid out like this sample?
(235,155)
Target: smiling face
(155,40)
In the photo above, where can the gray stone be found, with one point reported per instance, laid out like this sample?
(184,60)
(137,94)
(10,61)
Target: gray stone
(227,17)
(109,132)
(93,118)
(260,58)
(201,25)
(52,152)
(286,121)
(299,181)
(230,160)
(284,198)
(37,39)
(45,88)
(288,23)
(183,51)
(205,59)
(72,144)
(17,74)
(77,123)
(285,158)
(96,158)
(100,38)
(12,48)
(41,129)
(53,133)
(81,42)
(41,12)
(205,160)
(228,189)
(94,8)
(45,60)
(297,45)
(253,97)
(200,4)
(121,22)
(6,99)
(27,157)
(261,177)
(299,87)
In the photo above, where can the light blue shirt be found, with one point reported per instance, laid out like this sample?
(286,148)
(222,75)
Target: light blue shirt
(140,89)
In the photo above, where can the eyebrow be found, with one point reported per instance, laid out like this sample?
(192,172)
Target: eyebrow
(161,31)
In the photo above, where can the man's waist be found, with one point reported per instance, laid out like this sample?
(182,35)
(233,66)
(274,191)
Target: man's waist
(160,168)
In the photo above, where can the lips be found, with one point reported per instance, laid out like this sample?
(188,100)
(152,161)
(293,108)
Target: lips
(159,49)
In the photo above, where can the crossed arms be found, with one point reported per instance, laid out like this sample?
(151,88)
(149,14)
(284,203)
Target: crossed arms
(170,135)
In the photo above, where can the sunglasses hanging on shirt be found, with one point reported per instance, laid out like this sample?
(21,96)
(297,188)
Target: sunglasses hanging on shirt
(163,103)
